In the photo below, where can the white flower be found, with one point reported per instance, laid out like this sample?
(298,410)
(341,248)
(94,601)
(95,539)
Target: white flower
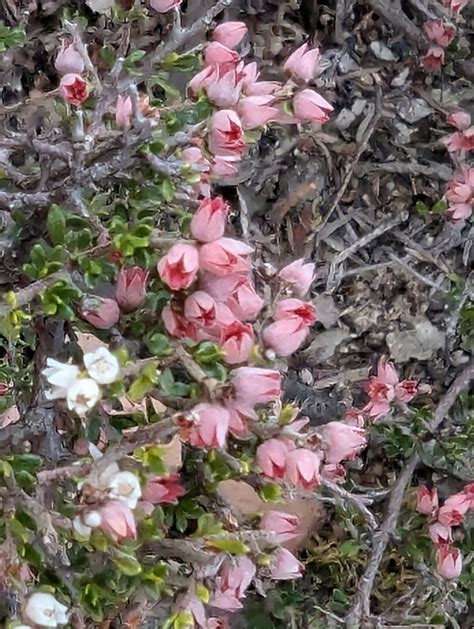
(92,519)
(83,396)
(125,487)
(43,609)
(102,366)
(81,529)
(61,376)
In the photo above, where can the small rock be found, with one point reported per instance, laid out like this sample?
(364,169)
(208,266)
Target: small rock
(324,345)
(413,109)
(382,52)
(421,343)
(401,78)
(347,64)
(358,106)
(344,119)
(326,312)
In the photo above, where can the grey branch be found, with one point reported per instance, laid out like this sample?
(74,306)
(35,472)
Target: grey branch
(352,499)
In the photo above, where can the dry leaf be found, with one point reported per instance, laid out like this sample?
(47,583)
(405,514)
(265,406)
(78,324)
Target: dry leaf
(10,416)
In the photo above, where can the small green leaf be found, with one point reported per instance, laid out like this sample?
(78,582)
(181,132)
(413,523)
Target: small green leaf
(230,545)
(139,388)
(56,224)
(127,564)
(349,548)
(270,492)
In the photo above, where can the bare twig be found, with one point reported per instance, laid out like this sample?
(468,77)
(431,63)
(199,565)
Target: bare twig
(353,499)
(25,295)
(194,370)
(361,605)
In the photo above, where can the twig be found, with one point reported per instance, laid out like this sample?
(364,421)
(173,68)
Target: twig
(18,200)
(392,11)
(353,499)
(194,370)
(421,278)
(361,605)
(25,295)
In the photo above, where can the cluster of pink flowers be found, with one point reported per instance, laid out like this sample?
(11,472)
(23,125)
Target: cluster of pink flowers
(442,35)
(70,64)
(450,514)
(385,388)
(130,292)
(246,102)
(460,192)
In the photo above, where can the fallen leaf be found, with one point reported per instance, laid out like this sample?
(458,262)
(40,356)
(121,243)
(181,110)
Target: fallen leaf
(10,416)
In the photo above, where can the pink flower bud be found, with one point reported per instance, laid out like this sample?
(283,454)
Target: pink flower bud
(302,467)
(237,341)
(406,390)
(256,111)
(461,141)
(226,136)
(236,576)
(201,309)
(237,292)
(427,500)
(210,424)
(225,256)
(459,212)
(176,323)
(334,471)
(284,525)
(256,385)
(230,33)
(131,288)
(439,32)
(342,442)
(73,89)
(440,534)
(118,521)
(208,223)
(434,59)
(295,309)
(309,106)
(303,62)
(163,6)
(461,187)
(179,267)
(201,81)
(123,112)
(454,509)
(456,6)
(224,167)
(449,562)
(271,458)
(460,119)
(299,276)
(68,60)
(285,336)
(100,312)
(216,53)
(285,566)
(224,90)
(163,490)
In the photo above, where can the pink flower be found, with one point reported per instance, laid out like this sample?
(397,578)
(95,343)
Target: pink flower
(460,141)
(295,309)
(194,155)
(309,106)
(230,33)
(334,471)
(440,534)
(216,53)
(100,312)
(342,442)
(225,256)
(434,59)
(285,336)
(201,81)
(299,276)
(461,187)
(237,341)
(210,423)
(256,385)
(176,323)
(355,417)
(284,525)
(163,6)
(427,500)
(285,566)
(459,212)
(237,292)
(302,467)
(303,62)
(73,89)
(449,562)
(460,119)
(224,167)
(200,308)
(271,458)
(130,292)
(239,412)
(456,6)
(256,111)
(123,112)
(252,87)
(117,521)
(226,136)
(454,509)
(163,490)
(439,32)
(179,267)
(224,90)
(235,578)
(208,223)
(384,388)
(68,60)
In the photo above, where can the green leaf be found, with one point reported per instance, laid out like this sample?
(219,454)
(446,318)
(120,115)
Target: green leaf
(349,548)
(230,545)
(139,388)
(167,189)
(127,564)
(439,207)
(167,382)
(270,492)
(207,525)
(158,344)
(56,224)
